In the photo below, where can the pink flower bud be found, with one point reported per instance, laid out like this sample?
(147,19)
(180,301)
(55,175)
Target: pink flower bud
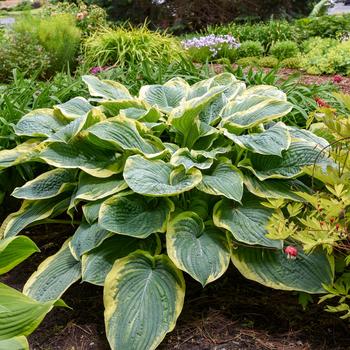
(337,79)
(291,252)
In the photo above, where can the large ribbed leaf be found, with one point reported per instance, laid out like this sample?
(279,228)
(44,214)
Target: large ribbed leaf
(150,115)
(250,111)
(201,251)
(33,211)
(135,215)
(14,250)
(74,108)
(273,269)
(16,343)
(91,210)
(80,154)
(266,91)
(271,142)
(224,180)
(122,134)
(299,155)
(165,97)
(308,136)
(19,314)
(107,89)
(39,123)
(157,178)
(98,262)
(190,159)
(86,238)
(143,298)
(275,188)
(47,185)
(246,222)
(53,276)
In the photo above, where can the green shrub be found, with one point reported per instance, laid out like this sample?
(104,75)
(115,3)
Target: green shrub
(161,184)
(318,43)
(291,62)
(284,49)
(248,61)
(250,49)
(268,61)
(128,46)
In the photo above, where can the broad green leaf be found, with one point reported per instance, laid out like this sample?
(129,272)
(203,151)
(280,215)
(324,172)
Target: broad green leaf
(143,297)
(201,251)
(150,115)
(157,178)
(16,343)
(53,276)
(190,159)
(91,210)
(290,165)
(81,154)
(135,215)
(165,97)
(224,180)
(122,134)
(113,107)
(266,91)
(272,268)
(86,238)
(275,188)
(39,123)
(98,262)
(309,137)
(47,185)
(14,250)
(107,89)
(270,142)
(33,211)
(247,112)
(246,222)
(19,314)
(74,108)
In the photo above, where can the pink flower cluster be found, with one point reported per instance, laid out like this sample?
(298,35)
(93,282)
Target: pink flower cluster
(98,69)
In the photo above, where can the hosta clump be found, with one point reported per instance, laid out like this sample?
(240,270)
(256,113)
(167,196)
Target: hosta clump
(173,180)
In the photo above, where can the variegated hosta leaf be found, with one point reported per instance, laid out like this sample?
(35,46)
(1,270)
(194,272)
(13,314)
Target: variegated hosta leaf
(107,89)
(246,222)
(247,112)
(165,97)
(271,142)
(53,276)
(33,211)
(13,251)
(224,180)
(150,115)
(190,159)
(273,269)
(74,108)
(19,314)
(91,210)
(275,188)
(266,91)
(157,178)
(40,123)
(135,215)
(299,155)
(86,238)
(47,185)
(16,343)
(201,251)
(82,155)
(112,108)
(98,262)
(143,298)
(122,134)
(309,137)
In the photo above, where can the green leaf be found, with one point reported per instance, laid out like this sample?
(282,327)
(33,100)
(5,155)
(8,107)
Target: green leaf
(270,142)
(271,268)
(224,180)
(47,185)
(91,210)
(14,250)
(135,215)
(53,276)
(201,251)
(157,178)
(143,298)
(74,108)
(150,115)
(19,314)
(266,91)
(98,262)
(246,222)
(309,137)
(16,343)
(190,159)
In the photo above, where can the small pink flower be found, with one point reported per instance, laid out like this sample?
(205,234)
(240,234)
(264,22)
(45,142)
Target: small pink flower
(80,16)
(291,252)
(96,70)
(337,79)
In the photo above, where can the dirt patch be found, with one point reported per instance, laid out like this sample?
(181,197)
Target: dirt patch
(231,314)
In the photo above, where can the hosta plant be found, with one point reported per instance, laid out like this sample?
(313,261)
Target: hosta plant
(166,182)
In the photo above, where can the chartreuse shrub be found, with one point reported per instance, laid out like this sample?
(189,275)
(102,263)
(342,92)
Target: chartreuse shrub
(284,49)
(173,180)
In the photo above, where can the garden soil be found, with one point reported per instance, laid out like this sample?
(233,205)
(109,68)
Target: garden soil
(232,313)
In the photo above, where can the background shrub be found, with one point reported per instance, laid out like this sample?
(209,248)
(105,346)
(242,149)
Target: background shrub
(250,49)
(284,49)
(268,61)
(291,62)
(248,61)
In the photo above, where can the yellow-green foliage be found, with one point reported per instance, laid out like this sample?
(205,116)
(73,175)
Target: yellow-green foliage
(248,61)
(126,46)
(292,62)
(268,61)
